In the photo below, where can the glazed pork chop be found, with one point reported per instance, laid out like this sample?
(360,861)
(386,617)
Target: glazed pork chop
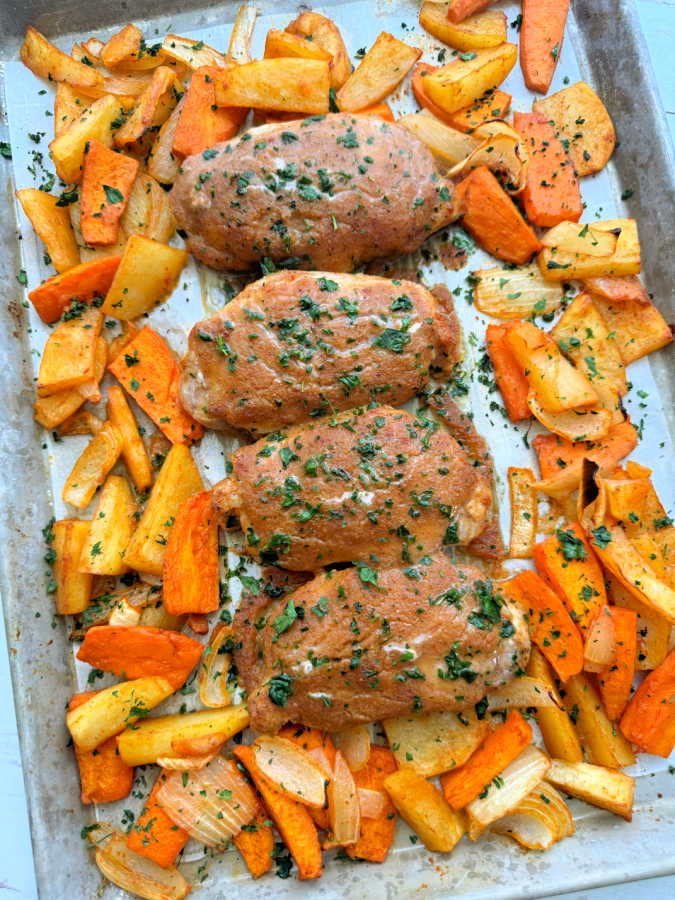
(346,649)
(326,193)
(297,344)
(376,484)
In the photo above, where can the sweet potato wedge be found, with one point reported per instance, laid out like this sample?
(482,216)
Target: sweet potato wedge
(83,282)
(541,40)
(107,178)
(649,720)
(191,570)
(511,381)
(377,834)
(155,836)
(201,123)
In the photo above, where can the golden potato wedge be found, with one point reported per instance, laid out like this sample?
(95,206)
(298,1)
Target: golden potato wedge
(582,241)
(92,467)
(81,422)
(462,81)
(323,32)
(47,61)
(73,588)
(583,125)
(154,106)
(52,225)
(279,44)
(67,150)
(111,710)
(602,740)
(291,85)
(69,105)
(162,164)
(146,275)
(148,211)
(178,479)
(476,32)
(122,47)
(560,737)
(192,54)
(239,47)
(448,146)
(515,293)
(600,786)
(153,739)
(653,631)
(134,454)
(69,354)
(432,743)
(425,809)
(638,328)
(55,409)
(381,70)
(524,512)
(110,529)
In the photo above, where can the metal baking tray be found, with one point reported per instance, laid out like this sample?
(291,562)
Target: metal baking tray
(604,45)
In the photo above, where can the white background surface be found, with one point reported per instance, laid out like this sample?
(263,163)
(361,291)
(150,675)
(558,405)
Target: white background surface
(16,863)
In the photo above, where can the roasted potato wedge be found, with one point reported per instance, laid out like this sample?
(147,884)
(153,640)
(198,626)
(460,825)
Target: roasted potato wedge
(462,81)
(67,150)
(312,26)
(110,529)
(515,293)
(68,358)
(476,32)
(425,809)
(576,251)
(606,788)
(432,743)
(73,588)
(383,67)
(47,61)
(147,274)
(92,467)
(292,85)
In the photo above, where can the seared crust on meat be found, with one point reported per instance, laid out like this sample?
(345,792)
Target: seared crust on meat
(358,652)
(328,192)
(295,344)
(378,482)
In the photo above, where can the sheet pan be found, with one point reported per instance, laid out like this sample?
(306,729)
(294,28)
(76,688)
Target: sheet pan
(604,44)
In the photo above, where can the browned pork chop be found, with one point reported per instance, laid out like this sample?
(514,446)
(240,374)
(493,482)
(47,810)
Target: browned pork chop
(328,192)
(295,344)
(356,646)
(365,484)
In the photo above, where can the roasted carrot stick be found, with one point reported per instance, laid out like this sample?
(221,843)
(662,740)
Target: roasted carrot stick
(492,105)
(107,178)
(512,383)
(460,9)
(552,192)
(615,683)
(490,215)
(104,777)
(201,123)
(133,651)
(191,574)
(569,567)
(84,282)
(551,627)
(649,720)
(541,38)
(376,834)
(155,835)
(149,373)
(497,751)
(292,819)
(313,739)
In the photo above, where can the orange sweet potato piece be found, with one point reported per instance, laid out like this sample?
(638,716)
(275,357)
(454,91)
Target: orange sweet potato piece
(152,380)
(383,110)
(569,567)
(155,835)
(460,9)
(552,192)
(649,720)
(104,777)
(191,572)
(201,124)
(541,38)
(490,215)
(551,627)
(615,683)
(133,651)
(292,819)
(376,834)
(255,842)
(84,282)
(512,383)
(497,751)
(107,178)
(312,739)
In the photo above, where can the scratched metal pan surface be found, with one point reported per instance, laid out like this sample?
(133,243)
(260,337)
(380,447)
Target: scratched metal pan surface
(604,45)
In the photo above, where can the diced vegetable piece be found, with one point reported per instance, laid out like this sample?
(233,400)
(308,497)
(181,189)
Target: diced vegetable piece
(178,479)
(560,737)
(81,422)
(67,150)
(569,567)
(255,842)
(492,105)
(476,32)
(582,124)
(107,178)
(509,789)
(323,32)
(291,769)
(541,40)
(110,529)
(69,105)
(600,642)
(435,742)
(344,811)
(490,215)
(123,46)
(380,71)
(92,467)
(191,568)
(605,745)
(377,834)
(606,788)
(524,512)
(69,354)
(294,85)
(155,836)
(104,777)
(539,820)
(425,809)
(649,720)
(109,711)
(292,819)
(638,328)
(83,282)
(515,293)
(138,875)
(461,9)
(47,61)
(73,588)
(615,683)
(153,108)
(201,123)
(190,53)
(134,454)
(149,374)
(652,630)
(611,247)
(511,381)
(280,44)
(147,274)
(52,225)
(551,627)
(462,81)
(173,736)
